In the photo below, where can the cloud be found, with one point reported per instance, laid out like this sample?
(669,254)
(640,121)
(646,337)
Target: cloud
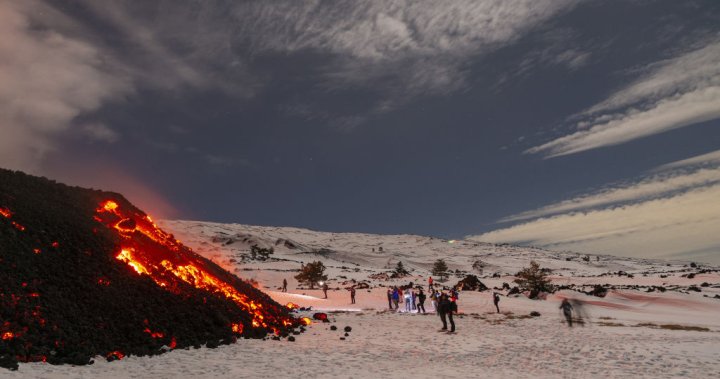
(671,94)
(671,215)
(48,80)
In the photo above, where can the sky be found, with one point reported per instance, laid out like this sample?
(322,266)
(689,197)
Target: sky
(591,126)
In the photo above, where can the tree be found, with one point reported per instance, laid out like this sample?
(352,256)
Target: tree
(260,253)
(440,269)
(311,273)
(400,269)
(533,279)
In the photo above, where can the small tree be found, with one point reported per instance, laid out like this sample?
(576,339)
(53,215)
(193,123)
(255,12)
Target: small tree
(311,273)
(440,269)
(260,253)
(533,279)
(400,269)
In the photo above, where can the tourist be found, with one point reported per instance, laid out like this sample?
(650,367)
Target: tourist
(390,298)
(496,300)
(445,310)
(325,288)
(396,298)
(408,299)
(352,295)
(413,299)
(434,295)
(284,286)
(421,301)
(567,311)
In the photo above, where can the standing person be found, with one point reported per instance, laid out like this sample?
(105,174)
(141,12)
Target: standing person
(567,311)
(434,299)
(421,301)
(445,309)
(430,283)
(496,300)
(284,288)
(408,299)
(390,298)
(396,298)
(413,299)
(352,295)
(400,294)
(325,288)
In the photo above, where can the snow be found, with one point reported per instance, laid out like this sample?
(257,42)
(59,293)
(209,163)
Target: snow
(625,333)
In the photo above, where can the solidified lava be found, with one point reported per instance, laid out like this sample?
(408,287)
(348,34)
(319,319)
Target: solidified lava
(83,273)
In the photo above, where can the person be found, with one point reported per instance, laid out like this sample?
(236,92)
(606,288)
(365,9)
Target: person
(413,299)
(390,298)
(284,288)
(400,294)
(567,311)
(408,299)
(434,299)
(496,300)
(352,295)
(421,301)
(430,283)
(325,288)
(445,310)
(396,298)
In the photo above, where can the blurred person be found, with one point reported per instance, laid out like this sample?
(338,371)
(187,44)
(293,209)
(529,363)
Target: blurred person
(421,301)
(567,309)
(496,301)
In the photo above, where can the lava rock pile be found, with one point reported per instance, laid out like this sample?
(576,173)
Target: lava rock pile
(70,289)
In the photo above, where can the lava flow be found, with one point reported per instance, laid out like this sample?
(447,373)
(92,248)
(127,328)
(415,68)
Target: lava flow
(152,252)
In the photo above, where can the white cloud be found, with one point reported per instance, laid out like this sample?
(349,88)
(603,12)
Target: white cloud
(674,214)
(672,94)
(656,186)
(669,227)
(48,79)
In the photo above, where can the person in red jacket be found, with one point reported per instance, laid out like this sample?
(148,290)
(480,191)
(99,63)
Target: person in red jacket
(430,284)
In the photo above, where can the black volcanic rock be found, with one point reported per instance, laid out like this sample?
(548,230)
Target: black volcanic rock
(65,295)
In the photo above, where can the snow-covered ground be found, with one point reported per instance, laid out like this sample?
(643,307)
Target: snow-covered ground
(635,330)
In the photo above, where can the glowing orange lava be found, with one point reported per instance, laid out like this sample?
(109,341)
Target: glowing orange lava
(8,336)
(5,212)
(171,261)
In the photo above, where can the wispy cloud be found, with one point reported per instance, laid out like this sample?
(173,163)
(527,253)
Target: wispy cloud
(669,214)
(671,94)
(48,79)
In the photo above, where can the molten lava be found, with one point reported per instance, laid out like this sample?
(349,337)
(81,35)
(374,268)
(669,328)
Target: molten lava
(152,252)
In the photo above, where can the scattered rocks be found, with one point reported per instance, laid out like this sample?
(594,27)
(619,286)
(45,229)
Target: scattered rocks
(348,329)
(535,314)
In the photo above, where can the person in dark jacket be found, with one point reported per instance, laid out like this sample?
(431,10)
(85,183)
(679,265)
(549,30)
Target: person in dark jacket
(421,301)
(390,298)
(496,301)
(284,287)
(352,295)
(445,310)
(567,311)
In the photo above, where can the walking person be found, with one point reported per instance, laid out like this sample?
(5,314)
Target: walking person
(284,287)
(496,300)
(567,311)
(413,299)
(352,295)
(421,301)
(390,298)
(430,283)
(325,288)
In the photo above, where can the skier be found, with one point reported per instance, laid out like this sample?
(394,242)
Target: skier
(496,300)
(567,311)
(284,287)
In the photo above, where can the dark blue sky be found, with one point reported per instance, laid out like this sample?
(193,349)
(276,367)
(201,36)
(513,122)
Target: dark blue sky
(383,117)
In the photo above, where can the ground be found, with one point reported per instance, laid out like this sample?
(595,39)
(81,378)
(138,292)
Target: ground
(629,332)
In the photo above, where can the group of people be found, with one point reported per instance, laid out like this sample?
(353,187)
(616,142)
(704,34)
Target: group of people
(414,299)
